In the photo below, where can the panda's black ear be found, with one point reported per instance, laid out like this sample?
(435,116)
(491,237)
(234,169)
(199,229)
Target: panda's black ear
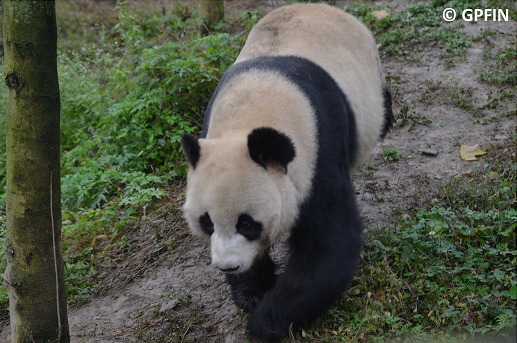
(191,149)
(270,148)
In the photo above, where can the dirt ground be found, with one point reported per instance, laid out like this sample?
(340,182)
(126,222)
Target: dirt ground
(188,285)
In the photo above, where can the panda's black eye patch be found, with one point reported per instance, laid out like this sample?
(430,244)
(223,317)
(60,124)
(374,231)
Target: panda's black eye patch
(206,224)
(248,227)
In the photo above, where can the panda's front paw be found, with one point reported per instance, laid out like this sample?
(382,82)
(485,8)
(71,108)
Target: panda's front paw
(248,288)
(248,302)
(247,291)
(262,325)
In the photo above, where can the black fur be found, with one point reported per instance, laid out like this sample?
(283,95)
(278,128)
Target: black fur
(206,224)
(326,241)
(267,145)
(191,149)
(248,288)
(389,119)
(249,227)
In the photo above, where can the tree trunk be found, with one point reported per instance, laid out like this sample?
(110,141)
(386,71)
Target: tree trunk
(211,11)
(35,271)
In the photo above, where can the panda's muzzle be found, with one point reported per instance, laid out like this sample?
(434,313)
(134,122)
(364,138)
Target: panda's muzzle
(228,270)
(233,253)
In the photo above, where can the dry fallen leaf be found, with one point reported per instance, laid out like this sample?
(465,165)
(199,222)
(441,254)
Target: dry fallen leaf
(493,175)
(471,153)
(381,14)
(406,125)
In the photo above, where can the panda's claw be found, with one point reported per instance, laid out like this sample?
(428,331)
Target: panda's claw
(264,327)
(247,302)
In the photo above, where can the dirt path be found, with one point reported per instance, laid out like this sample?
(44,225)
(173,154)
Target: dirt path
(186,296)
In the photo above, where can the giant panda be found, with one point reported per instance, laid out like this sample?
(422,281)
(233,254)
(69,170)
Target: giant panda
(304,103)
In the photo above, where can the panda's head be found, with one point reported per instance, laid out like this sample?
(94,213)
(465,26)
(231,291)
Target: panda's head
(238,193)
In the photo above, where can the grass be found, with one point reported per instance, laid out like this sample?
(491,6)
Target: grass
(502,66)
(129,87)
(459,97)
(390,155)
(449,271)
(135,77)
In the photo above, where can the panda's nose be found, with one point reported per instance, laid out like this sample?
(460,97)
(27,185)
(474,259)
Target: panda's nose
(228,270)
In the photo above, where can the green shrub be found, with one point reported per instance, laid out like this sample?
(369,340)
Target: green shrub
(124,109)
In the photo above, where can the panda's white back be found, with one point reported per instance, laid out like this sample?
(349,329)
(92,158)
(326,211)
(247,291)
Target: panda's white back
(308,30)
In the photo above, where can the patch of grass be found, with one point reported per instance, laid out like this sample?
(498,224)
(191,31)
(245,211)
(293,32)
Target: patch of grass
(449,64)
(433,85)
(459,97)
(105,248)
(483,34)
(503,67)
(390,155)
(449,271)
(455,42)
(407,114)
(417,24)
(129,87)
(91,240)
(403,32)
(367,169)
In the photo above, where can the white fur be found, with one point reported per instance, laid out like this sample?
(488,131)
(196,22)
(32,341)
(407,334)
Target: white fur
(228,251)
(337,42)
(226,183)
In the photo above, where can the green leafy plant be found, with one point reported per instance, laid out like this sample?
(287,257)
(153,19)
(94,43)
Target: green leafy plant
(504,70)
(390,155)
(129,88)
(447,272)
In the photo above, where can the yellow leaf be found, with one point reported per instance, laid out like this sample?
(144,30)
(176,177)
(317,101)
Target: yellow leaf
(406,125)
(493,175)
(102,236)
(381,14)
(471,153)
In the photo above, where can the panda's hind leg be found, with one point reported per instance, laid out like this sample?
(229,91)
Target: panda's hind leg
(248,288)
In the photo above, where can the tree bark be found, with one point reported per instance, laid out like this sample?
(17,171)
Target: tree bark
(35,271)
(211,11)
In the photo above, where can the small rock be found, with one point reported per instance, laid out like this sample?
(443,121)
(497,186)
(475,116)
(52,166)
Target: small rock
(428,151)
(501,137)
(404,216)
(437,177)
(366,197)
(168,305)
(68,222)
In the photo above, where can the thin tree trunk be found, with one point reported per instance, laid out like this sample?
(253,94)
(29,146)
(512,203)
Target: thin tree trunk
(35,272)
(211,11)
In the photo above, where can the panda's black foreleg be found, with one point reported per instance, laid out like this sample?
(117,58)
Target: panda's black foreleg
(325,247)
(248,288)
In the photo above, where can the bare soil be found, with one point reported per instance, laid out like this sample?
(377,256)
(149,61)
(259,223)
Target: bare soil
(184,294)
